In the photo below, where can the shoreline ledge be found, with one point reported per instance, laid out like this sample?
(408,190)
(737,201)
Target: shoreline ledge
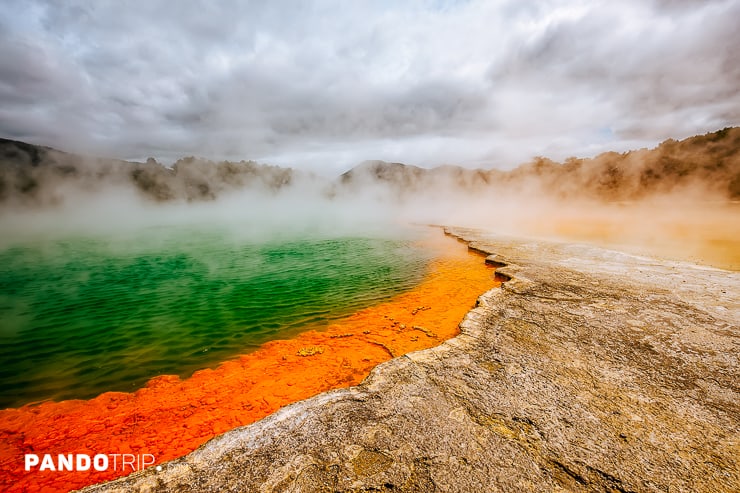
(588,370)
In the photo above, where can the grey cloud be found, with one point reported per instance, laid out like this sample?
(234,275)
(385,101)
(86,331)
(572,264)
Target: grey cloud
(335,81)
(648,64)
(424,108)
(30,73)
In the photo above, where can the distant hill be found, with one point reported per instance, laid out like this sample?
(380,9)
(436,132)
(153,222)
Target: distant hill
(39,176)
(705,165)
(405,178)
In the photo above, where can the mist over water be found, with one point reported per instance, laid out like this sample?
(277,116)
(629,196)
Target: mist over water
(107,289)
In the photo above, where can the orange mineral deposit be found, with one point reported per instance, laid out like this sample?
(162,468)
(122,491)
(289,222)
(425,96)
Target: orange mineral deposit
(171,417)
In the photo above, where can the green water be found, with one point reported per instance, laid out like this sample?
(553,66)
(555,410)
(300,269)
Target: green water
(83,315)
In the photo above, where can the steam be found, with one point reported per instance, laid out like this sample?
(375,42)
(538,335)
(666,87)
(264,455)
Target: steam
(678,200)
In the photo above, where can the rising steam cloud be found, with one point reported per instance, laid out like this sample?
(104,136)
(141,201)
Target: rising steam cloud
(680,193)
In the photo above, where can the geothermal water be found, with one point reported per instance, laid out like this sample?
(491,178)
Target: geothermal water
(413,292)
(85,314)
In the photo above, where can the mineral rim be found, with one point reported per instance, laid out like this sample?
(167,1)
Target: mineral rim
(588,370)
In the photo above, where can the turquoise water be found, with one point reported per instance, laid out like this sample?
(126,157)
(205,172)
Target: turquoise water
(83,315)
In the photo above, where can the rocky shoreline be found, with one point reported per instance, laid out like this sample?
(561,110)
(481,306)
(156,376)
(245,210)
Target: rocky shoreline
(588,370)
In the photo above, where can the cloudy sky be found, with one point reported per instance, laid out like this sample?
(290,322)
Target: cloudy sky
(323,85)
